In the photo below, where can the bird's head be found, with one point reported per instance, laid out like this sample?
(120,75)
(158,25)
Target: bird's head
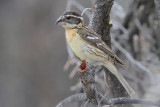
(70,20)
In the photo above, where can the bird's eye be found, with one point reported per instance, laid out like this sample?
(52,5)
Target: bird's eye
(68,18)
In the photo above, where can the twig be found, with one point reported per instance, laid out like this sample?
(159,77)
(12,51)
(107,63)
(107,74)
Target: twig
(138,24)
(81,8)
(70,61)
(85,10)
(85,104)
(73,72)
(71,99)
(100,24)
(132,60)
(125,100)
(88,81)
(78,6)
(114,101)
(121,27)
(118,10)
(99,103)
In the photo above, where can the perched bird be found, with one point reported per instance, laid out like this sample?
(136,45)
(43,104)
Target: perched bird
(88,45)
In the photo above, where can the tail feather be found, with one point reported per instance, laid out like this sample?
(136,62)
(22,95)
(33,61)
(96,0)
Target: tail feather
(119,61)
(111,67)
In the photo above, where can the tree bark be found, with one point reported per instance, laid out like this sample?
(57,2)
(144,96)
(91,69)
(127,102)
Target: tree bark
(100,24)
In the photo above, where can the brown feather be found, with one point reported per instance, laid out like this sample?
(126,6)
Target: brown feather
(86,33)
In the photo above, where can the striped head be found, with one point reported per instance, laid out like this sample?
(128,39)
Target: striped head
(70,20)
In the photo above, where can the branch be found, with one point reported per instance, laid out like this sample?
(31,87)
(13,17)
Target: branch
(87,75)
(125,100)
(100,19)
(71,99)
(114,101)
(78,6)
(100,24)
(131,59)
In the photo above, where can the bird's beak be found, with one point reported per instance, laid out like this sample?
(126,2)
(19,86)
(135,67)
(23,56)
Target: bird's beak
(59,20)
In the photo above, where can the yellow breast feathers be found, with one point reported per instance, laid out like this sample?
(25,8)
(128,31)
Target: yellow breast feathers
(70,33)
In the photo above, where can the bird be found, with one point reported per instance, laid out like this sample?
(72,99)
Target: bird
(88,45)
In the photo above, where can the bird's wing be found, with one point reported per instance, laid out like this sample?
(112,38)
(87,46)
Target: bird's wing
(94,39)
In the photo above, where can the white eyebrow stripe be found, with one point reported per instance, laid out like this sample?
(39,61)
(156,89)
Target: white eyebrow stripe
(75,16)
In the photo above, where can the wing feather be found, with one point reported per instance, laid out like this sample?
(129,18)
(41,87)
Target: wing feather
(94,39)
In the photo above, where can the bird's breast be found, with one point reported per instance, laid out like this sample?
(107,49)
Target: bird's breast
(82,49)
(75,41)
(77,45)
(70,33)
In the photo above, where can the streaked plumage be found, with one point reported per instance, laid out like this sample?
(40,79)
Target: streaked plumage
(88,45)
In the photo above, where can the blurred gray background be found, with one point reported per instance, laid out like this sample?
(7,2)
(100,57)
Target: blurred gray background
(33,53)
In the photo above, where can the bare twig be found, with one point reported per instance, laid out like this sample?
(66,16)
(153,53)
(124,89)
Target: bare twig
(70,61)
(81,8)
(73,72)
(114,101)
(117,10)
(88,81)
(100,24)
(125,52)
(78,6)
(71,99)
(132,60)
(125,100)
(99,103)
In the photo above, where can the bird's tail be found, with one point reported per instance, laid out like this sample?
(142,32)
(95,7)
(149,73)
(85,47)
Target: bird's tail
(111,67)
